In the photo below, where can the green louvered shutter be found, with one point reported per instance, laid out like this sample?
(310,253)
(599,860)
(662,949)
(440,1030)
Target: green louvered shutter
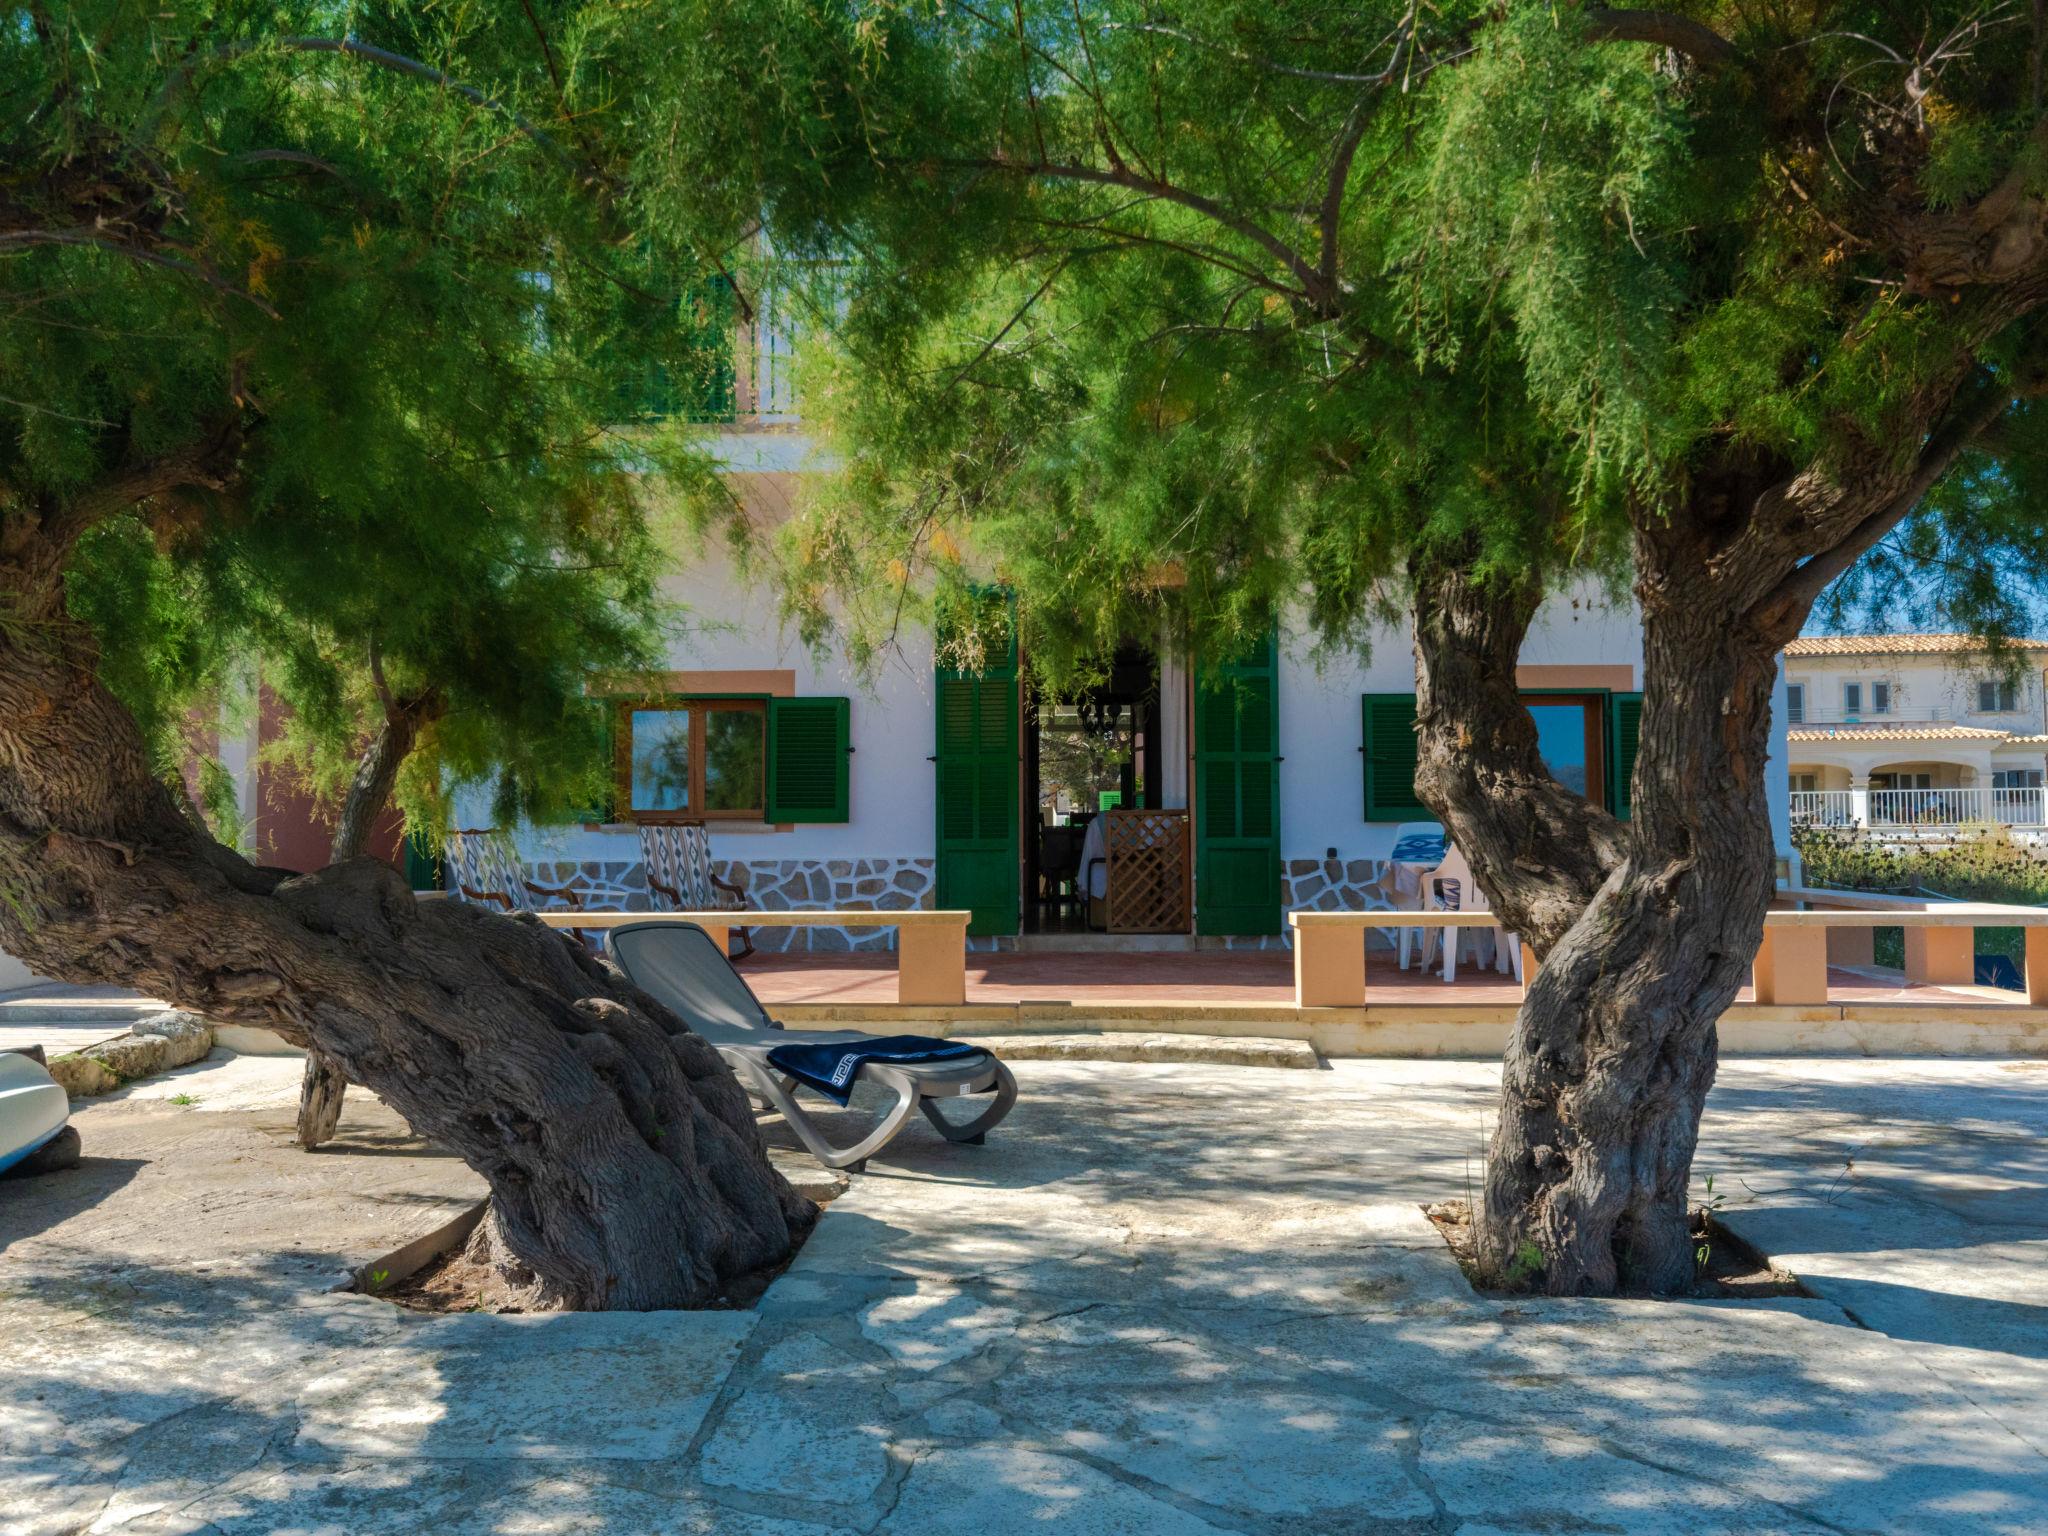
(808,743)
(1390,759)
(978,789)
(423,868)
(1237,795)
(1624,725)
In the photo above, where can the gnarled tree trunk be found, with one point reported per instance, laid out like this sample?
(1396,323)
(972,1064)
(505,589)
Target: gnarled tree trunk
(624,1165)
(326,1083)
(1646,929)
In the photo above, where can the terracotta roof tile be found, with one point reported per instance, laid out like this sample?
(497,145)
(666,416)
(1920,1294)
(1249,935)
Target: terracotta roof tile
(1878,645)
(1894,733)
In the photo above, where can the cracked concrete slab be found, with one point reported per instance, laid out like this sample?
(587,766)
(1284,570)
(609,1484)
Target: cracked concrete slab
(1162,1300)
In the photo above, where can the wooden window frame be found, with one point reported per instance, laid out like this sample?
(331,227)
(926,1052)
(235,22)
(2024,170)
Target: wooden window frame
(699,706)
(1595,706)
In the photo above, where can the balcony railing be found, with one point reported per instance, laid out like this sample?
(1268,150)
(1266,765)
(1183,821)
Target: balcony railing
(1907,808)
(1815,717)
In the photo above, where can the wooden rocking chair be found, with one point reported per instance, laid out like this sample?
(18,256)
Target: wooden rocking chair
(487,869)
(677,859)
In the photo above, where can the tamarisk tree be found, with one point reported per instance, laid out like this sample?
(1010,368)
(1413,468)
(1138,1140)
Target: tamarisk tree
(311,348)
(1366,307)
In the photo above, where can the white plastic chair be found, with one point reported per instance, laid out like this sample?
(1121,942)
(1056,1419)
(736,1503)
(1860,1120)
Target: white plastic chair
(1455,890)
(1407,940)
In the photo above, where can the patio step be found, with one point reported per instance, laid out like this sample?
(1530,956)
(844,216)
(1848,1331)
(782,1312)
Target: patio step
(55,1003)
(1129,1045)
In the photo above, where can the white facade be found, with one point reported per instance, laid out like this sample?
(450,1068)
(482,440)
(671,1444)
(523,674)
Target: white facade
(887,851)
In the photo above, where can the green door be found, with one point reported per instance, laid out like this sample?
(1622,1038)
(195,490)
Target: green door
(978,787)
(1237,795)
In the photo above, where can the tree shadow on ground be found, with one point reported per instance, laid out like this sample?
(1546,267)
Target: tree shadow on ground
(30,1205)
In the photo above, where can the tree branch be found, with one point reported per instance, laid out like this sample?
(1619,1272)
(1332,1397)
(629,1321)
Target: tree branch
(1784,610)
(1319,294)
(1681,34)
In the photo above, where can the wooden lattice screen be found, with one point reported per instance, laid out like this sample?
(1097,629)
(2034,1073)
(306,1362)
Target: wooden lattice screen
(1149,871)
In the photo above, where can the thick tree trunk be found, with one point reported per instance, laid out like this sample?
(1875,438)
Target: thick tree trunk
(1646,930)
(326,1084)
(624,1166)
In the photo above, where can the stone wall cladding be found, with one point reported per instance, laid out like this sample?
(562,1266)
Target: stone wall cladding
(846,885)
(1324,885)
(902,885)
(772,885)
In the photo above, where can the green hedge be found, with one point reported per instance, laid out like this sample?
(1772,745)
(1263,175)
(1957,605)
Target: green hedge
(1972,864)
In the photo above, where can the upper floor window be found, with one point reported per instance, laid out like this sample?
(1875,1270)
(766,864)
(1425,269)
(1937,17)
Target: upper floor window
(1795,702)
(1997,696)
(1866,698)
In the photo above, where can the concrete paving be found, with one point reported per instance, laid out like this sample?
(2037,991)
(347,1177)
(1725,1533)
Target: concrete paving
(1180,1299)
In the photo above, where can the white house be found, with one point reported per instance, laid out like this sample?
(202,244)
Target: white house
(1276,784)
(1223,801)
(1901,732)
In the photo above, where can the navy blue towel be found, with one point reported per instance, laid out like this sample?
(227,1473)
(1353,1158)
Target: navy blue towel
(831,1068)
(1419,848)
(1999,971)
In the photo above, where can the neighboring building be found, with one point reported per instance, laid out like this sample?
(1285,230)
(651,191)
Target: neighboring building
(1905,733)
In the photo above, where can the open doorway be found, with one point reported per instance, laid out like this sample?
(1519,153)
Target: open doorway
(1097,752)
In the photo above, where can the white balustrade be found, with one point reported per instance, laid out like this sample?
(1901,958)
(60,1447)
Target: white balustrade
(1823,808)
(1918,807)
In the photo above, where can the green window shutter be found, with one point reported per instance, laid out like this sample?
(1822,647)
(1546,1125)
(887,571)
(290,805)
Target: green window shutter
(695,327)
(1237,784)
(1391,759)
(423,869)
(977,787)
(809,741)
(1624,724)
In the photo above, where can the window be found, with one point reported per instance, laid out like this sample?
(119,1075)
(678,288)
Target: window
(694,759)
(1880,698)
(1588,742)
(1568,737)
(1805,783)
(1852,700)
(1996,696)
(1795,702)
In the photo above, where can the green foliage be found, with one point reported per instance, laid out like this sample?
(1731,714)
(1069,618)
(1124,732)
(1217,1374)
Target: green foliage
(389,316)
(1086,317)
(1525,1269)
(1971,864)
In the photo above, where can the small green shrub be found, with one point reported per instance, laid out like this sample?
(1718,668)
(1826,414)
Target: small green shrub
(1526,1268)
(1974,863)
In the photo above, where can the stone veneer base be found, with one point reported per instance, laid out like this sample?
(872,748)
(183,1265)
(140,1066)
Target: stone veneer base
(904,885)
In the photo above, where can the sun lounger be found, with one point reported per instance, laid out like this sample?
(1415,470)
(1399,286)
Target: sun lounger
(680,966)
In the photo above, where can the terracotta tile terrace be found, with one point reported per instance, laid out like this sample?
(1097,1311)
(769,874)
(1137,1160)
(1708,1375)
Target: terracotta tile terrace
(1213,977)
